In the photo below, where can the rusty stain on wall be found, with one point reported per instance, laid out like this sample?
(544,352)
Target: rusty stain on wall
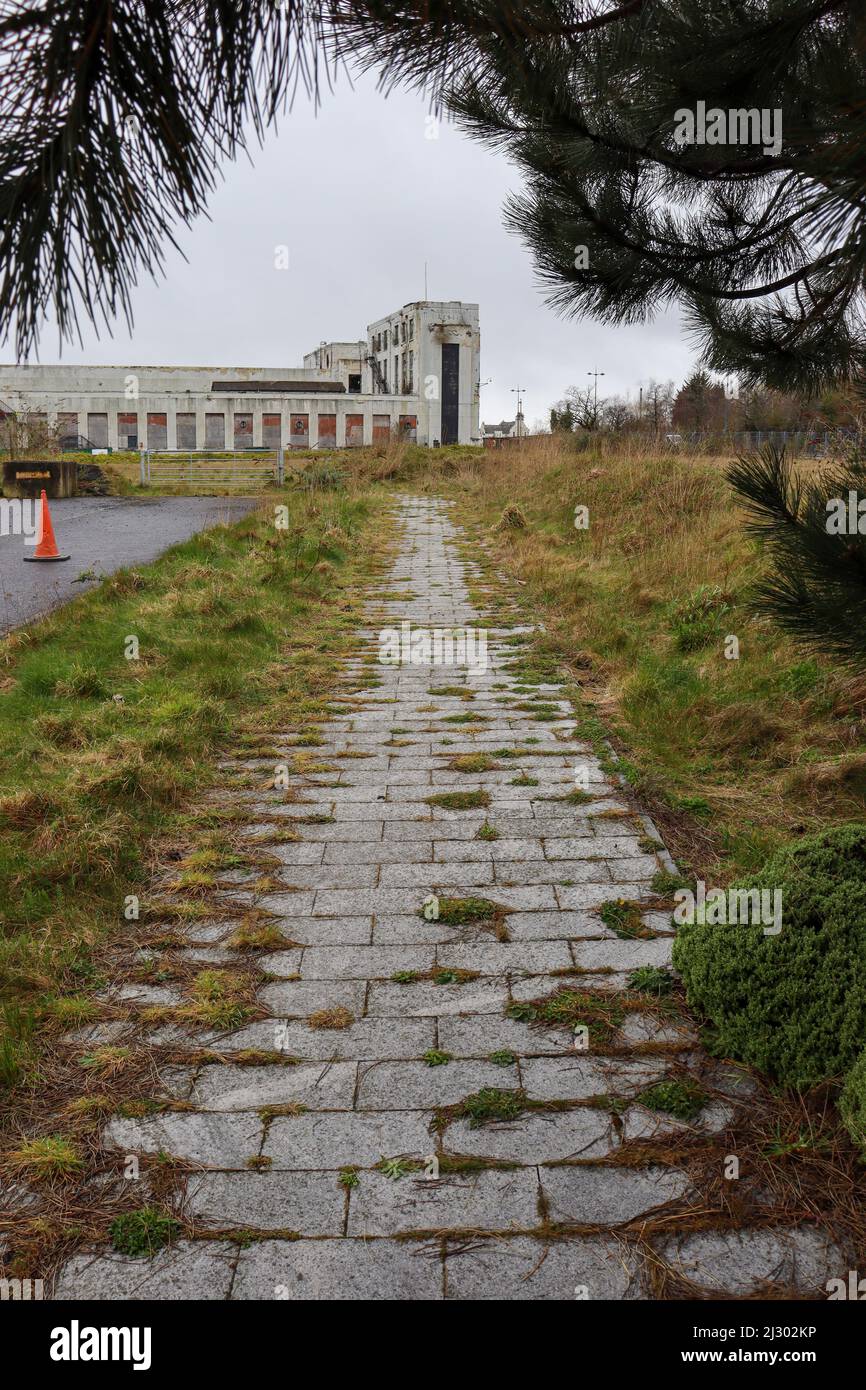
(354,431)
(381,429)
(328,431)
(157,429)
(272,431)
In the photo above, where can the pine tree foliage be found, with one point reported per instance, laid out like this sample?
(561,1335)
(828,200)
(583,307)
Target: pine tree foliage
(115,116)
(810,529)
(763,248)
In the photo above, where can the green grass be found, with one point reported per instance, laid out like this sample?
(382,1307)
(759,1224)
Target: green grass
(459,801)
(490,1105)
(624,918)
(141,1233)
(239,625)
(682,1099)
(643,602)
(458,912)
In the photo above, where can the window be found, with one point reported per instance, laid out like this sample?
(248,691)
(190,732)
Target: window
(215,431)
(385,337)
(127,430)
(411,329)
(299,428)
(272,434)
(411,370)
(327,427)
(354,381)
(185,429)
(97,430)
(157,430)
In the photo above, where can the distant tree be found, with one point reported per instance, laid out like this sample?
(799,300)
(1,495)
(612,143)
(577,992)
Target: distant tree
(585,408)
(616,413)
(658,399)
(699,404)
(561,418)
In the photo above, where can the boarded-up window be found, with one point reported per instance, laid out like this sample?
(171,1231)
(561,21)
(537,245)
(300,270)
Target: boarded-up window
(409,428)
(215,431)
(272,432)
(97,430)
(127,429)
(354,431)
(381,429)
(243,430)
(327,431)
(67,425)
(157,429)
(185,423)
(299,430)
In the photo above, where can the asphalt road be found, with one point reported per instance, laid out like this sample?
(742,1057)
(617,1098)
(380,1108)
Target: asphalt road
(101,535)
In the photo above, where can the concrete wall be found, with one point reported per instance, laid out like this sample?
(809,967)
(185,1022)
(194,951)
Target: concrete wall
(77,398)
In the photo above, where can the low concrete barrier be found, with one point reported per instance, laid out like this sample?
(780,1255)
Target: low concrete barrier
(27,478)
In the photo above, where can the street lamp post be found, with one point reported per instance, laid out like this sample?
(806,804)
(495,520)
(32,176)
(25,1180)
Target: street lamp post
(595,374)
(519,391)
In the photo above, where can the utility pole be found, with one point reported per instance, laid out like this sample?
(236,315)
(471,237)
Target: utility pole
(595,374)
(519,391)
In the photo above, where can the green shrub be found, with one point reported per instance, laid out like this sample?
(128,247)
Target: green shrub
(852,1102)
(793,1004)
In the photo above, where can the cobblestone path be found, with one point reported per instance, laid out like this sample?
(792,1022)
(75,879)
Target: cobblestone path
(332,1162)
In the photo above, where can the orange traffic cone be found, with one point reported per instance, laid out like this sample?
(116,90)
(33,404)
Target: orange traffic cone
(47,547)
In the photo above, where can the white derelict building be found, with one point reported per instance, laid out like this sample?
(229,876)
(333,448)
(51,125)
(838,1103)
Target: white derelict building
(415,376)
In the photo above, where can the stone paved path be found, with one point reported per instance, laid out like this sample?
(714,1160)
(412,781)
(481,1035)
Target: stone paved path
(554,1214)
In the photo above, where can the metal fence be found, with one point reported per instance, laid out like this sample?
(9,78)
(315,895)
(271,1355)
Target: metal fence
(212,469)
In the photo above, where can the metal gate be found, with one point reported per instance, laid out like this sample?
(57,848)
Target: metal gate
(211,469)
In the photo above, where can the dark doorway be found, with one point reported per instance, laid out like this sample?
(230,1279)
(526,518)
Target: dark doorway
(450,391)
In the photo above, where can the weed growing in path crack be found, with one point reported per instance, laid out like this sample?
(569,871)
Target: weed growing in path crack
(142,1233)
(624,918)
(336,1018)
(435,1058)
(682,1099)
(459,801)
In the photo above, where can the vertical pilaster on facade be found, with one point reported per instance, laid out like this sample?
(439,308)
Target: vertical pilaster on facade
(367,412)
(171,424)
(112,425)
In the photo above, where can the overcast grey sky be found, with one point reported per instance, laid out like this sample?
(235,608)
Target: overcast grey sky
(361,196)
